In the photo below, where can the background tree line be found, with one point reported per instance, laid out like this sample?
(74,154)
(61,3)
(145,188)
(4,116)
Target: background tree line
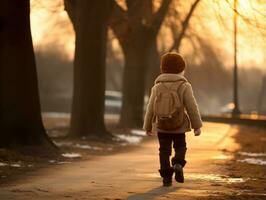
(135,24)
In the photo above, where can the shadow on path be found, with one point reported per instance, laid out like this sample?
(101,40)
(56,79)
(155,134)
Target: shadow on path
(152,194)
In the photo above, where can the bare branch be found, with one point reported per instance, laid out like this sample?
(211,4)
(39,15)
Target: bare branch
(119,22)
(185,25)
(252,22)
(160,15)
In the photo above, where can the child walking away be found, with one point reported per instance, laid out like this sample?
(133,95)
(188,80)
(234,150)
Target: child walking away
(171,112)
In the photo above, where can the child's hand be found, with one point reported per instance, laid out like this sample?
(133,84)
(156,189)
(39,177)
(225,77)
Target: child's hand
(197,132)
(149,133)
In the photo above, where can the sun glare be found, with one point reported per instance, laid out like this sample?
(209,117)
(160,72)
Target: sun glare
(51,27)
(216,26)
(212,20)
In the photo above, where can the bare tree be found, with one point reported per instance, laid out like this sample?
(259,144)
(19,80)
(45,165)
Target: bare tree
(178,27)
(90,22)
(179,34)
(136,29)
(20,117)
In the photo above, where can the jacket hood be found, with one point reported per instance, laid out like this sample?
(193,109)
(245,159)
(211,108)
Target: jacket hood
(165,77)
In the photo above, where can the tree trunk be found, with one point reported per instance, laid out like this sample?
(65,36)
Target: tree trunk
(136,65)
(20,115)
(91,22)
(136,29)
(154,65)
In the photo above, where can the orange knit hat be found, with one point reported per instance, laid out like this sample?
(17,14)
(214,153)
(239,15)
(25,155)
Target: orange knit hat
(172,63)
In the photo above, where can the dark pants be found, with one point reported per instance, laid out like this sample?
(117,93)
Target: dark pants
(179,143)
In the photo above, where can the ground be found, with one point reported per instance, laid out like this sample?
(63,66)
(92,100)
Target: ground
(216,169)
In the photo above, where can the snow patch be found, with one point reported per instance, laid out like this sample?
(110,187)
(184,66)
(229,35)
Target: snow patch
(221,157)
(60,144)
(77,145)
(3,164)
(254,161)
(63,162)
(131,139)
(71,155)
(251,154)
(138,132)
(84,146)
(55,115)
(11,165)
(59,163)
(15,165)
(214,178)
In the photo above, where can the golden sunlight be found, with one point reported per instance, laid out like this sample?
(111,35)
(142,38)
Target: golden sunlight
(51,27)
(216,26)
(213,21)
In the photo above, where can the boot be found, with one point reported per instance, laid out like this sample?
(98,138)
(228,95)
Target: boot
(167,174)
(179,175)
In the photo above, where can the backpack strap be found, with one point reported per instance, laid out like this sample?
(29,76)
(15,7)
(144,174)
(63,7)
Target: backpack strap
(178,88)
(182,82)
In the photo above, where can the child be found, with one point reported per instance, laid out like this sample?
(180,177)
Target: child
(172,88)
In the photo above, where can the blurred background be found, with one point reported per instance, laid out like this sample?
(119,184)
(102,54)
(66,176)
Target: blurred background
(207,46)
(96,62)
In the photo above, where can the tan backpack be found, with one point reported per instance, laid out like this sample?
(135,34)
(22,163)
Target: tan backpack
(168,107)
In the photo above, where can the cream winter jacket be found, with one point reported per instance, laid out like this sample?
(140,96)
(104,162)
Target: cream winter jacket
(192,116)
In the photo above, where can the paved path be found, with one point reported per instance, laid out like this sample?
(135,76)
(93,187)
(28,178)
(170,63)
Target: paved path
(133,175)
